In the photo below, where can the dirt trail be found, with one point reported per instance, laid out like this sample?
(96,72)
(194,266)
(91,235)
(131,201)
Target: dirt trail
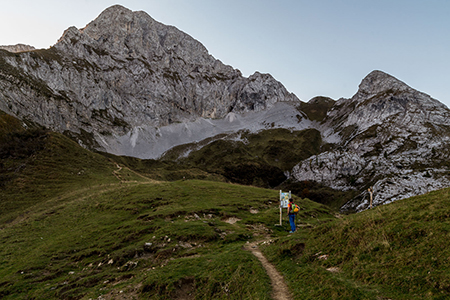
(280,290)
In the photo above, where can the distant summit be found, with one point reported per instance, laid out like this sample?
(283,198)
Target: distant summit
(388,135)
(18,48)
(377,82)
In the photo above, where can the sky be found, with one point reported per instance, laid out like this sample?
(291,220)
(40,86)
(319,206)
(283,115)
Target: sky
(313,47)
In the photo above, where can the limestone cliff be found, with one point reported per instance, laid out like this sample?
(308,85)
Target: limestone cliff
(125,70)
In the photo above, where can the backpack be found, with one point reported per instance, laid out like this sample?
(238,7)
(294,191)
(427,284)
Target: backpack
(295,208)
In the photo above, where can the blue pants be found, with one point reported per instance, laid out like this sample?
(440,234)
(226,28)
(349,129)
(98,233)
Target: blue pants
(292,222)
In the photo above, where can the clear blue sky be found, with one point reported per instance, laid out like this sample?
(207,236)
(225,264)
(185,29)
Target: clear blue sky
(314,47)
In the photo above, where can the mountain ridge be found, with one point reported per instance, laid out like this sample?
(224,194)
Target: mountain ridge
(386,130)
(103,87)
(18,48)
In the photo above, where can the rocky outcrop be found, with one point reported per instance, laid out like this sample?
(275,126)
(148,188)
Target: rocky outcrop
(125,70)
(18,48)
(387,135)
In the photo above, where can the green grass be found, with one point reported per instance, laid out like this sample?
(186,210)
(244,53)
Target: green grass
(100,235)
(38,165)
(78,225)
(397,251)
(163,169)
(260,161)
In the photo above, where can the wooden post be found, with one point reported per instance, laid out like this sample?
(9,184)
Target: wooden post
(371,195)
(281,213)
(281,209)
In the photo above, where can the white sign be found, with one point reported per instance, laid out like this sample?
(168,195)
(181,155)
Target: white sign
(284,199)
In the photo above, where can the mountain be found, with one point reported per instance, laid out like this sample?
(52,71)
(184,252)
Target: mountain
(129,85)
(388,136)
(113,82)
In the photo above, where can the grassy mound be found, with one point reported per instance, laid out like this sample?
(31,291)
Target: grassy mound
(316,109)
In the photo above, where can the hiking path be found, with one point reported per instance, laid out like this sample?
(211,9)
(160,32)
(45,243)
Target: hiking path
(280,290)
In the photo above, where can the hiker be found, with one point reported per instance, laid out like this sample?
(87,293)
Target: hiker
(291,215)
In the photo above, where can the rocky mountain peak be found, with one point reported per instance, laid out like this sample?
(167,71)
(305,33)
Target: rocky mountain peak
(122,31)
(124,75)
(383,98)
(134,34)
(388,135)
(128,35)
(378,82)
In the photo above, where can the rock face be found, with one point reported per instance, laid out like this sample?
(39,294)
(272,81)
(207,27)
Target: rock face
(387,135)
(125,70)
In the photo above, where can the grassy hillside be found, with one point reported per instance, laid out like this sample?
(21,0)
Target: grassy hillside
(164,170)
(397,251)
(258,159)
(156,240)
(80,225)
(89,241)
(36,165)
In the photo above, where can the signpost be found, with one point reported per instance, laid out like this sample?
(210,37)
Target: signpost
(284,201)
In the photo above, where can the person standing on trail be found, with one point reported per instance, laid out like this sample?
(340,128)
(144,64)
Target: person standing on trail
(291,215)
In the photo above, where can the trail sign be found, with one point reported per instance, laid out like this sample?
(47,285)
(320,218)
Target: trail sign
(284,201)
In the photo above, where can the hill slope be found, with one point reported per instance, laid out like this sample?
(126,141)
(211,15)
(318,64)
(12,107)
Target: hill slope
(36,164)
(78,225)
(156,240)
(396,251)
